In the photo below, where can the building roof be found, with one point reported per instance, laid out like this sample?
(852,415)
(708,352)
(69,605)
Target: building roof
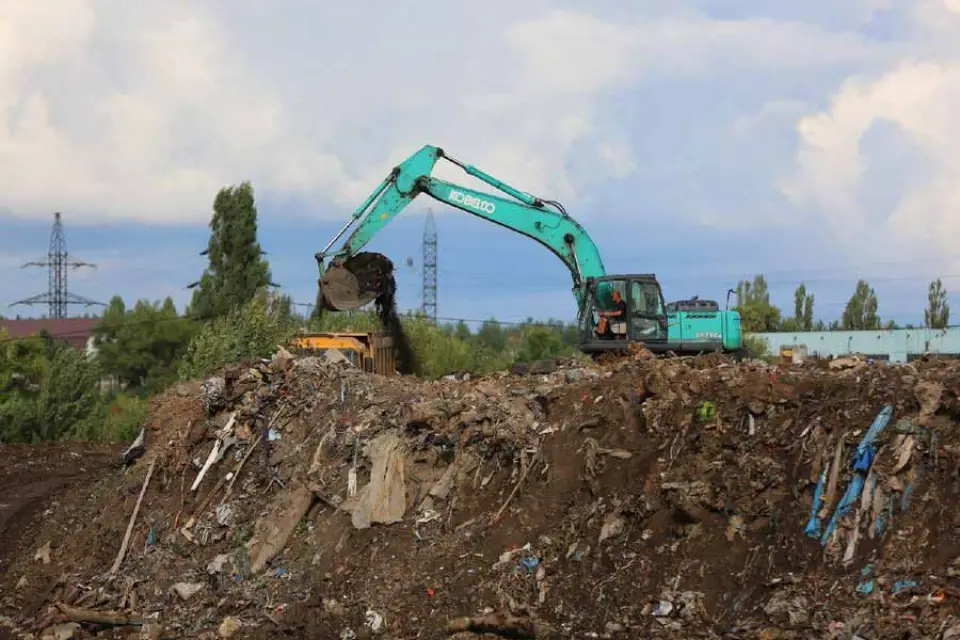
(74,331)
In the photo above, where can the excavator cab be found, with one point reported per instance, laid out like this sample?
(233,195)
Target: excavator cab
(646,320)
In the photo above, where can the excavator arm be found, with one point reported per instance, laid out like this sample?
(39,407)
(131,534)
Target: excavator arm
(344,287)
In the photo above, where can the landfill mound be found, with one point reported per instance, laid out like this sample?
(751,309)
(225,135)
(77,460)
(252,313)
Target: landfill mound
(676,498)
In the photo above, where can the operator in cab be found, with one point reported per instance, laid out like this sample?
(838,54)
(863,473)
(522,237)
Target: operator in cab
(617,314)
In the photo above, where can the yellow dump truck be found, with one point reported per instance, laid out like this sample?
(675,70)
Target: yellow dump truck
(371,352)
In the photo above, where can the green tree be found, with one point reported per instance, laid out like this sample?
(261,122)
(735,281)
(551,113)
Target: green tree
(757,313)
(541,343)
(141,347)
(860,312)
(23,364)
(803,309)
(462,331)
(937,314)
(70,404)
(492,336)
(237,269)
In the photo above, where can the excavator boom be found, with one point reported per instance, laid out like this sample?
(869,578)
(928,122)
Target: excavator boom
(353,278)
(544,221)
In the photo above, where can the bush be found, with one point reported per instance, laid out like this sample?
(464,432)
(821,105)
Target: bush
(756,346)
(251,331)
(124,416)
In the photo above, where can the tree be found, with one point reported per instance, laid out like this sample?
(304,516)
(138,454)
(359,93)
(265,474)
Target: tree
(141,347)
(860,312)
(541,343)
(492,336)
(70,403)
(237,269)
(48,391)
(803,308)
(23,365)
(937,315)
(757,314)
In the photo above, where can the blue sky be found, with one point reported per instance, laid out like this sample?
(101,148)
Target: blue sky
(703,141)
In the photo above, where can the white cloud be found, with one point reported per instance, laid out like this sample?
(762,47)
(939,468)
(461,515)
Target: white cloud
(837,171)
(118,110)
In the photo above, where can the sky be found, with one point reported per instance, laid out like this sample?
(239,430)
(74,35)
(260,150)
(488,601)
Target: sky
(702,141)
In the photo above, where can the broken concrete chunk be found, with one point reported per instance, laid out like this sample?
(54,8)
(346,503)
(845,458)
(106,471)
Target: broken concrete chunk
(186,590)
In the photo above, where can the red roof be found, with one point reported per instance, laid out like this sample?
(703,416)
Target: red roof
(74,331)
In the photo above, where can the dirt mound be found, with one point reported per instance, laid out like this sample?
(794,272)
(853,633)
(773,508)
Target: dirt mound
(675,498)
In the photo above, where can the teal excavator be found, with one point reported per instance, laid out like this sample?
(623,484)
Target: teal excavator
(353,278)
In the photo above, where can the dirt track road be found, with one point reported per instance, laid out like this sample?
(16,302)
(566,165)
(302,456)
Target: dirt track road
(31,476)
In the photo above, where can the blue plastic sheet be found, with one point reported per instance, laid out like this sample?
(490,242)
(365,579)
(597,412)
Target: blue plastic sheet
(863,457)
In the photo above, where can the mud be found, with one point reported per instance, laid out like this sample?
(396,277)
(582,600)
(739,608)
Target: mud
(33,478)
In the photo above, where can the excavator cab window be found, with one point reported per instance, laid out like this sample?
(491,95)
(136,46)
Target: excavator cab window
(646,311)
(601,299)
(646,316)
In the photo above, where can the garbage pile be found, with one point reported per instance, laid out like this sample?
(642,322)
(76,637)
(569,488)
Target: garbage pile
(677,498)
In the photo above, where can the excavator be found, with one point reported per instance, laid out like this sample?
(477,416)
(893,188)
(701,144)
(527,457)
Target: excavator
(351,278)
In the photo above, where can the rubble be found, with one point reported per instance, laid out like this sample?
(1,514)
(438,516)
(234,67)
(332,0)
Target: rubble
(643,498)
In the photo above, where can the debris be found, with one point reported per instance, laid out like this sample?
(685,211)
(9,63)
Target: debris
(65,631)
(273,532)
(43,554)
(229,627)
(187,590)
(504,625)
(111,618)
(676,497)
(613,526)
(383,500)
(133,519)
(136,449)
(374,621)
(523,476)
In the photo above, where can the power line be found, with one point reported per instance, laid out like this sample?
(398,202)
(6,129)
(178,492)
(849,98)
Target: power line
(58,260)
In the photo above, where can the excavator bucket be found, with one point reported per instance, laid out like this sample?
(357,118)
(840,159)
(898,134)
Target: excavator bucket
(358,281)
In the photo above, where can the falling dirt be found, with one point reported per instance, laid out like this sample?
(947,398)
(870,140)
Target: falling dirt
(374,273)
